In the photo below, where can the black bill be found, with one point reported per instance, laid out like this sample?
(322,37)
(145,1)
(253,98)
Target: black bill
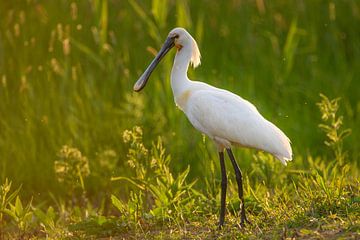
(141,82)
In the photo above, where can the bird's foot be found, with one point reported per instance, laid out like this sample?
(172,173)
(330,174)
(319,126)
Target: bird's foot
(243,221)
(220,225)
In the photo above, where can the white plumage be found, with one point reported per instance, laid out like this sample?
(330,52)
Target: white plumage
(222,115)
(228,119)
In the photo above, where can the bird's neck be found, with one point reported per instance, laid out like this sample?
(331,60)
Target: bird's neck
(179,78)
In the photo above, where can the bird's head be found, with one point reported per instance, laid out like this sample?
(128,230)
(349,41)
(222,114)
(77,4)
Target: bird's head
(183,41)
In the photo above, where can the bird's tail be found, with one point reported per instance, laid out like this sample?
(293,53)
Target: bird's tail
(281,145)
(283,159)
(285,155)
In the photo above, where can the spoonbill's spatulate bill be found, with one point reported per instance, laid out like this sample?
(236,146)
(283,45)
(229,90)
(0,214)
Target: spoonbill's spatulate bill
(226,118)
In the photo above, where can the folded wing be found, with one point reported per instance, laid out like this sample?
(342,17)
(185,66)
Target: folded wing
(224,115)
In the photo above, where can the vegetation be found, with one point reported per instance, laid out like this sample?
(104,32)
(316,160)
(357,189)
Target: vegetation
(82,156)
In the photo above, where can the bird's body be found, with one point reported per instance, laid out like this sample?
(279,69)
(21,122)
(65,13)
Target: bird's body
(230,120)
(224,116)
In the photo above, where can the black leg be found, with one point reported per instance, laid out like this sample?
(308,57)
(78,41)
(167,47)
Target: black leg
(240,186)
(223,189)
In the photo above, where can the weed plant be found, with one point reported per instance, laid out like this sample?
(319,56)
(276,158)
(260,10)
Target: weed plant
(82,157)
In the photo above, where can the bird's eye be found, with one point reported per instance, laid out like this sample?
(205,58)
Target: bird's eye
(176,36)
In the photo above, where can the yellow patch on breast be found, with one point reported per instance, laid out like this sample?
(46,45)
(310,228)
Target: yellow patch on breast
(182,100)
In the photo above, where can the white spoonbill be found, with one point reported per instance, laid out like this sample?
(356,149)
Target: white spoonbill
(226,118)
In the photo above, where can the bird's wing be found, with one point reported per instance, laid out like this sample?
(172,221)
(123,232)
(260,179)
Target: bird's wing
(222,114)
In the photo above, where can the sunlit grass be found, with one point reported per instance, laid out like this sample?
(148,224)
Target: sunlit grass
(66,75)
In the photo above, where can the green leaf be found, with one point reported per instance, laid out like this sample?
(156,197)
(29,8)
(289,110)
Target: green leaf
(50,213)
(28,216)
(129,180)
(12,196)
(152,28)
(291,44)
(18,206)
(199,194)
(46,218)
(104,22)
(101,219)
(11,214)
(355,200)
(118,204)
(88,52)
(182,176)
(159,9)
(183,14)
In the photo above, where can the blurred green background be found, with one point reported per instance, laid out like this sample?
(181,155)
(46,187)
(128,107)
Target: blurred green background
(67,69)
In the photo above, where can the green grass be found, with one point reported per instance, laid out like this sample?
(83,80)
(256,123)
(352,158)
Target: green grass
(80,168)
